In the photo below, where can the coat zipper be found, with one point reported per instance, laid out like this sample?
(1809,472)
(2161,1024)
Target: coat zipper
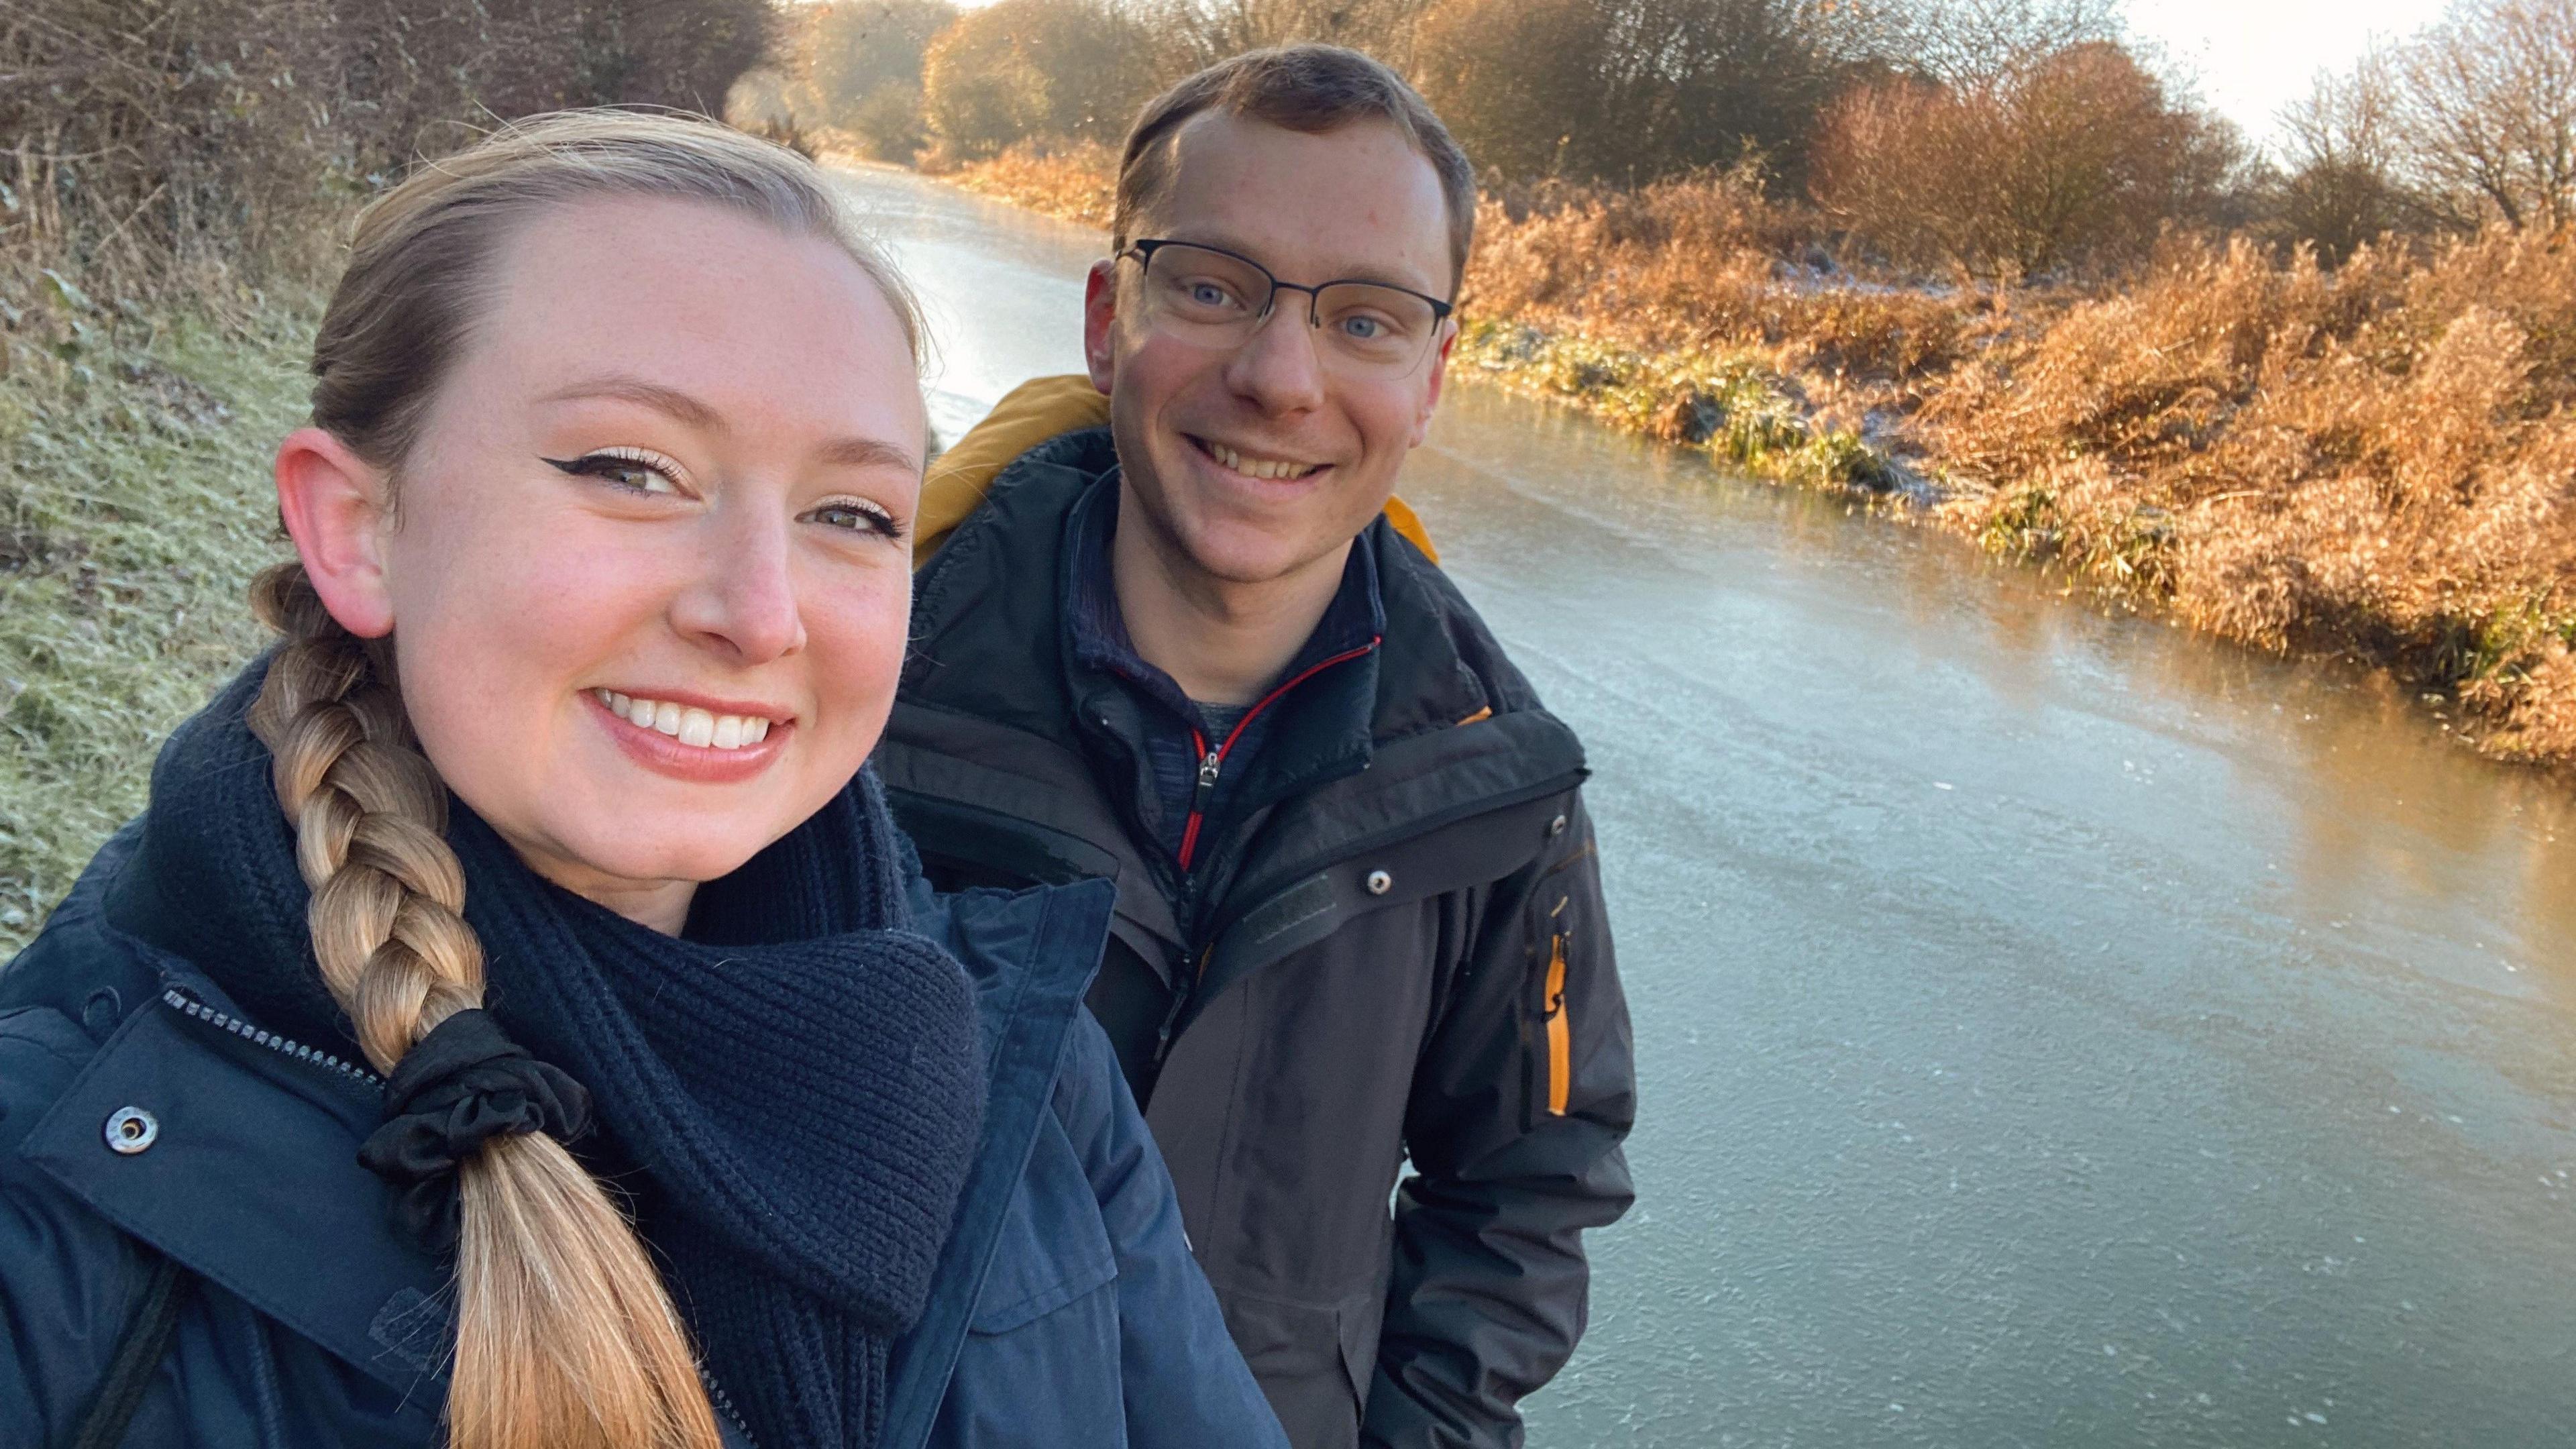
(722,1402)
(196,1010)
(191,1007)
(1212,761)
(1180,1003)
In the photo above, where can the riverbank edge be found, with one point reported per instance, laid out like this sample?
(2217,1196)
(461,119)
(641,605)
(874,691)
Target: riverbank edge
(1736,406)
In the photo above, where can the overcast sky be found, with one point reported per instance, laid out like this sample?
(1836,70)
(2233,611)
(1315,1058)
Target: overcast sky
(2255,56)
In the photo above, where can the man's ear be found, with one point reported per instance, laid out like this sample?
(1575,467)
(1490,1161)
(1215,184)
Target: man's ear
(334,503)
(1100,322)
(1432,385)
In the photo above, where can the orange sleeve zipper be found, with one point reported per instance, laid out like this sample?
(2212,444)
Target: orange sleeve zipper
(1560,1032)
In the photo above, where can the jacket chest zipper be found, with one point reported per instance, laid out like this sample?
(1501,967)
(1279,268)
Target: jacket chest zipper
(190,1007)
(1211,764)
(1212,761)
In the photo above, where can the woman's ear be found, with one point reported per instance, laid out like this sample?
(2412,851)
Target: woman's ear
(334,503)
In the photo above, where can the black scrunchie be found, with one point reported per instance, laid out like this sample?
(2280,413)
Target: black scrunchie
(457,1088)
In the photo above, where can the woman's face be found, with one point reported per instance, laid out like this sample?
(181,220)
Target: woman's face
(650,567)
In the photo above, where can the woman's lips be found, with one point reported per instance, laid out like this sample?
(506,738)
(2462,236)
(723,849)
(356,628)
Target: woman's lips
(703,747)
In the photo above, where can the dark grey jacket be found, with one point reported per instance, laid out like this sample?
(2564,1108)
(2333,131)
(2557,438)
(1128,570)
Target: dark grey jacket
(1408,959)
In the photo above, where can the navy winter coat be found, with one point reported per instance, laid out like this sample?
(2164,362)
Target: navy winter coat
(1066,1311)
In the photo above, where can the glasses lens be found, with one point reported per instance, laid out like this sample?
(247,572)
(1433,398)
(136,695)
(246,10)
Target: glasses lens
(1218,300)
(1374,330)
(1193,289)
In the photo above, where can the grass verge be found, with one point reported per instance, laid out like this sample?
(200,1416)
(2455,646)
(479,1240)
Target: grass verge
(135,506)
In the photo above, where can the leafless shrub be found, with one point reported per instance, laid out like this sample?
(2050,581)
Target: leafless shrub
(2077,160)
(1626,90)
(1514,80)
(152,139)
(1059,69)
(853,69)
(1967,44)
(2344,148)
(1193,33)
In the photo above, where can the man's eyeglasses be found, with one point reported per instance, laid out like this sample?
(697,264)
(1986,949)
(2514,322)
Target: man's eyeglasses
(1212,297)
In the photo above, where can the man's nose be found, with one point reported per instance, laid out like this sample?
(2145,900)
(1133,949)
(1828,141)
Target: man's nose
(743,602)
(1280,367)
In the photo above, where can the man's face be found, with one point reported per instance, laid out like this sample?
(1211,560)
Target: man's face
(1256,461)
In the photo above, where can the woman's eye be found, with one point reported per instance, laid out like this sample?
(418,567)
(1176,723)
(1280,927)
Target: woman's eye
(623,470)
(858,518)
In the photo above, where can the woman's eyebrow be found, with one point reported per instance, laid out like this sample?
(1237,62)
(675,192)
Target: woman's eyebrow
(628,388)
(845,452)
(869,453)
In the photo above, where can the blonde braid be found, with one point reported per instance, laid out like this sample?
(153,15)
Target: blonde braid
(565,1337)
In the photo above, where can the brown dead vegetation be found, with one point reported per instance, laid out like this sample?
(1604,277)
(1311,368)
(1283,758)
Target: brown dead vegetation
(2377,461)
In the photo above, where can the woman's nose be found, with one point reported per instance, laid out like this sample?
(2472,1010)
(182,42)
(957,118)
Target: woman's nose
(743,601)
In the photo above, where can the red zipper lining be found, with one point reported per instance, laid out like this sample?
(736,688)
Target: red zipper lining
(1198,741)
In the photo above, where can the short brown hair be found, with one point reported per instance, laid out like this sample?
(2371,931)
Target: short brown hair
(1309,88)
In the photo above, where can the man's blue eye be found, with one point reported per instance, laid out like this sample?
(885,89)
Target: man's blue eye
(1364,329)
(1209,294)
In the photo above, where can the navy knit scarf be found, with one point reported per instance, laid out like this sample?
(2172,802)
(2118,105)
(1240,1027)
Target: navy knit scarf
(790,1091)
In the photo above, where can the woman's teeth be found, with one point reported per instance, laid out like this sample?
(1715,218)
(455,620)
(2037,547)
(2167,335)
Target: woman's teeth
(688,726)
(1259,467)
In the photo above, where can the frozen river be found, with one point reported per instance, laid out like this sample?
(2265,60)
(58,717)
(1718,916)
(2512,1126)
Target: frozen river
(2052,1029)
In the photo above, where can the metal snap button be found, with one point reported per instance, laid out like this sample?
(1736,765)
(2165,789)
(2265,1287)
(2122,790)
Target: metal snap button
(1379,882)
(130,1130)
(1556,826)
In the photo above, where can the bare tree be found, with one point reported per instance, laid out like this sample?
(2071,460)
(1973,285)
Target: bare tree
(1219,28)
(1627,90)
(1018,69)
(2076,161)
(1970,43)
(2343,145)
(1513,79)
(859,66)
(2489,109)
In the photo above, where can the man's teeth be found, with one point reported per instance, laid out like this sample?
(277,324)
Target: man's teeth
(688,726)
(1259,467)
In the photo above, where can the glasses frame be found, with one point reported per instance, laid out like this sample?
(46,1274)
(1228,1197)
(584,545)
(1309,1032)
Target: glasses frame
(1143,249)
